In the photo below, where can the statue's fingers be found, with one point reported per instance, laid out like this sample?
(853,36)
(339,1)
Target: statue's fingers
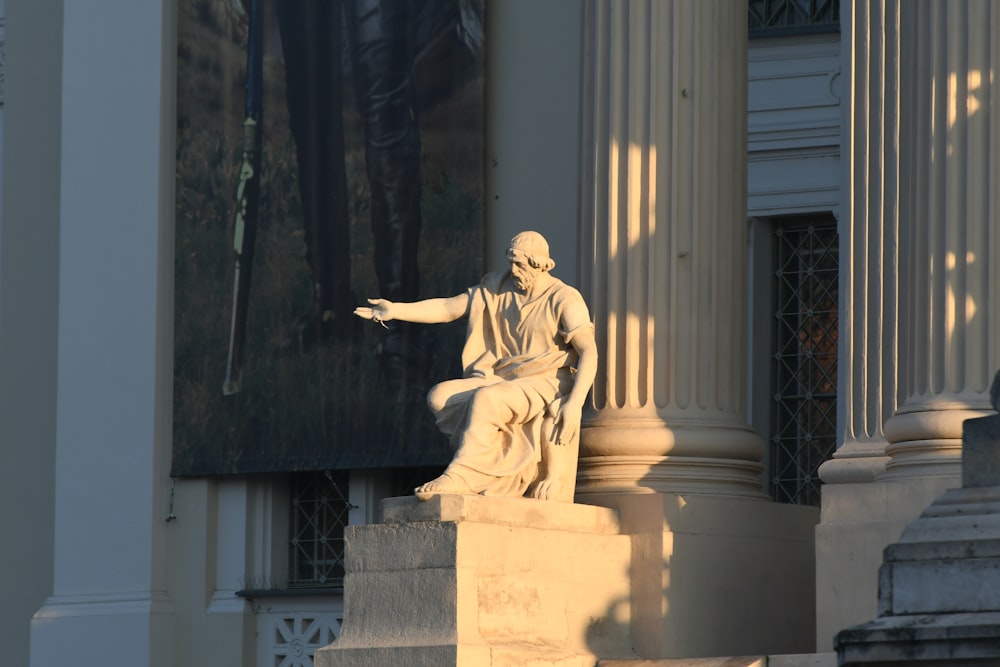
(554,407)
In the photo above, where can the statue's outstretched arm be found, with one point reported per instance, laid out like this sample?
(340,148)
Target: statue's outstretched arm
(428,311)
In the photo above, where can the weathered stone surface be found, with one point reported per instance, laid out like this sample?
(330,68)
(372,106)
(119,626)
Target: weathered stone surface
(952,640)
(502,511)
(393,607)
(501,581)
(412,656)
(796,660)
(400,546)
(961,585)
(544,583)
(803,660)
(981,452)
(752,661)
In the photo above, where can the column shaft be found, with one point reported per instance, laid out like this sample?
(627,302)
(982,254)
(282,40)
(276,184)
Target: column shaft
(948,144)
(664,255)
(869,238)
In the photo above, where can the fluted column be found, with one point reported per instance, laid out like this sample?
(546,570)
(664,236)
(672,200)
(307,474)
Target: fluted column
(948,213)
(664,247)
(869,237)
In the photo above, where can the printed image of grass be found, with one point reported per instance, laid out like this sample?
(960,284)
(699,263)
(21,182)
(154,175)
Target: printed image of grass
(328,408)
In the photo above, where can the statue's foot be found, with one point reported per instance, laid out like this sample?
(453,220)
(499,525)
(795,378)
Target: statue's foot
(550,489)
(443,484)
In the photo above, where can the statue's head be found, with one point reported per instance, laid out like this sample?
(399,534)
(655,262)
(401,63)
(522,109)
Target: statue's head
(528,254)
(532,248)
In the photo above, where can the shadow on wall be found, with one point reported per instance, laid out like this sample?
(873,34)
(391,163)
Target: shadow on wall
(712,576)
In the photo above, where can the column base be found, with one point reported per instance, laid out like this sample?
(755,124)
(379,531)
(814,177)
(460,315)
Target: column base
(916,459)
(926,441)
(100,629)
(856,462)
(668,474)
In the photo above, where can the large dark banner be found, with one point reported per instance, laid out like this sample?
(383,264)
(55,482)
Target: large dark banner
(329,151)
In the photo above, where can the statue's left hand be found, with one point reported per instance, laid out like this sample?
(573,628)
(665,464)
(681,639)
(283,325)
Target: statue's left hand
(566,422)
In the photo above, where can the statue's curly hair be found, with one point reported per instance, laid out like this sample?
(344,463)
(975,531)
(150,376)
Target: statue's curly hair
(533,247)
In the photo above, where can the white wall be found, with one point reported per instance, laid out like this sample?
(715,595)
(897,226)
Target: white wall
(533,127)
(29,274)
(794,125)
(3,30)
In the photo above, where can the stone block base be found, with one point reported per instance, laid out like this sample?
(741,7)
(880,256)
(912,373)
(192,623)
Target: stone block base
(441,656)
(932,640)
(474,581)
(752,661)
(468,580)
(798,660)
(859,521)
(938,600)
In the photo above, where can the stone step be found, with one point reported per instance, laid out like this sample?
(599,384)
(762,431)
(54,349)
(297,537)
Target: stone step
(746,661)
(801,660)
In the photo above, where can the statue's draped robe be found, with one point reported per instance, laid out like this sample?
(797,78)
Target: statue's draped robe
(518,358)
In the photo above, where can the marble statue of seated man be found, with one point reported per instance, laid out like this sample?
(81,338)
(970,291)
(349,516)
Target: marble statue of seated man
(529,360)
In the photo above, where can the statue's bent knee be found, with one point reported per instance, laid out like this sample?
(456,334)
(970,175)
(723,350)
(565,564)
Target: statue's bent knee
(437,397)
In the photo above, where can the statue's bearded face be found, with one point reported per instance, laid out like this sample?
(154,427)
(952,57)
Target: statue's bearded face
(523,273)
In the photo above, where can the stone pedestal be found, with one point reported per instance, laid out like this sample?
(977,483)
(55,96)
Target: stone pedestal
(471,581)
(939,585)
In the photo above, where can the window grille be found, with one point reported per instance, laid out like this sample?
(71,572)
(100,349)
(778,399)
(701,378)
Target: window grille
(290,639)
(770,18)
(319,514)
(291,628)
(804,370)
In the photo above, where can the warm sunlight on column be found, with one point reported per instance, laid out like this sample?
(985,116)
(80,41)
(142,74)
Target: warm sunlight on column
(952,264)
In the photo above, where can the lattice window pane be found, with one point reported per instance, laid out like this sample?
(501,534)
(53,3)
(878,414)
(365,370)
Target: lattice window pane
(804,357)
(788,17)
(319,513)
(288,636)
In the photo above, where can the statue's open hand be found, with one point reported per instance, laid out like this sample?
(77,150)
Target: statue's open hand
(566,421)
(378,311)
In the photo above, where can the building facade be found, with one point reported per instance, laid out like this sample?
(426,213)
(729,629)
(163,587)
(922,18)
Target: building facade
(778,236)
